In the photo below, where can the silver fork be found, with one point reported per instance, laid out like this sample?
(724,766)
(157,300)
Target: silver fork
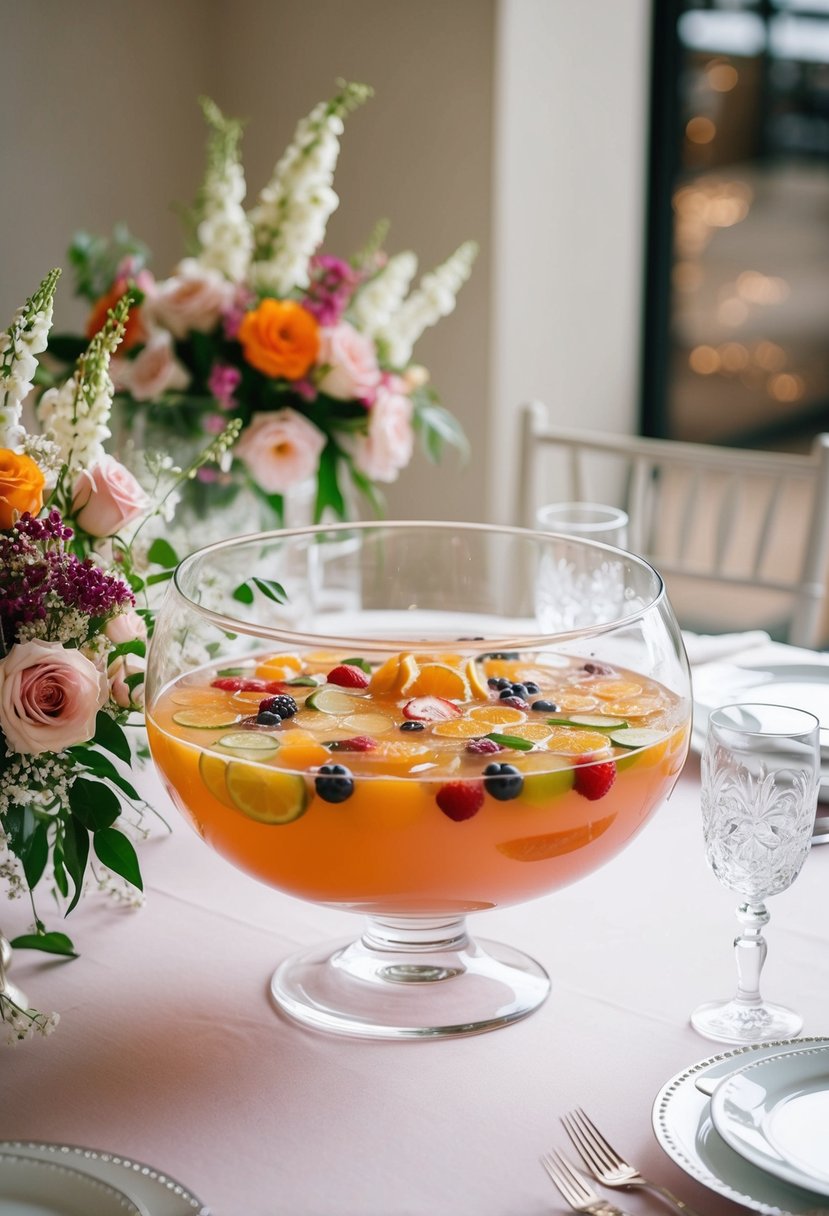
(606,1165)
(575,1188)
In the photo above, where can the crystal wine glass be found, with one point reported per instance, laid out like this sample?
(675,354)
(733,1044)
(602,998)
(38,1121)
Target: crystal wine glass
(386,718)
(760,775)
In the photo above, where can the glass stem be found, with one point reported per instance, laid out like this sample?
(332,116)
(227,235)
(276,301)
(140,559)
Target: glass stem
(750,952)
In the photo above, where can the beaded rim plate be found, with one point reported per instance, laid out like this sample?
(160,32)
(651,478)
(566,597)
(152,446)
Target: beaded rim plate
(684,1130)
(161,1194)
(54,1187)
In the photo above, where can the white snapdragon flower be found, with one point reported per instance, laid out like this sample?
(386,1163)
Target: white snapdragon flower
(291,215)
(25,338)
(377,301)
(224,233)
(434,298)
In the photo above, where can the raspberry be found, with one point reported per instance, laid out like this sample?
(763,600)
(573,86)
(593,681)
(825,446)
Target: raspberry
(348,677)
(430,709)
(253,685)
(593,781)
(460,799)
(513,702)
(360,743)
(283,705)
(228,683)
(483,747)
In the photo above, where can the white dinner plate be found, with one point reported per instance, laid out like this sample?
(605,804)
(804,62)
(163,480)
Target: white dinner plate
(151,1191)
(29,1187)
(684,1129)
(775,1113)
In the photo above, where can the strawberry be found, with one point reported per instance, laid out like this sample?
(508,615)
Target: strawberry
(483,747)
(593,781)
(228,683)
(460,799)
(430,709)
(348,677)
(360,743)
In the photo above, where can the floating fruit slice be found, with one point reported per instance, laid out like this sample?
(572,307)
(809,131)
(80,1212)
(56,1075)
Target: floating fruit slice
(596,721)
(193,696)
(279,667)
(461,728)
(614,690)
(265,794)
(251,742)
(474,677)
(384,678)
(536,732)
(407,675)
(212,771)
(554,844)
(368,724)
(439,680)
(638,736)
(330,700)
(304,752)
(206,717)
(496,715)
(398,757)
(576,702)
(245,698)
(639,708)
(576,741)
(430,709)
(541,788)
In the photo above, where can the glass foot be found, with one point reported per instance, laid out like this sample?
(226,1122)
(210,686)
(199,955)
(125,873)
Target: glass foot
(406,979)
(737,1022)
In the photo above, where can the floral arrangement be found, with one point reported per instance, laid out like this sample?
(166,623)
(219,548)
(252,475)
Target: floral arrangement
(312,354)
(72,638)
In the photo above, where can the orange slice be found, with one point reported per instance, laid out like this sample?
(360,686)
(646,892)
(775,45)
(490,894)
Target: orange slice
(476,680)
(536,732)
(321,660)
(198,696)
(279,667)
(613,690)
(496,715)
(400,757)
(512,669)
(576,742)
(554,844)
(576,702)
(384,679)
(439,680)
(460,728)
(638,708)
(407,675)
(301,753)
(245,698)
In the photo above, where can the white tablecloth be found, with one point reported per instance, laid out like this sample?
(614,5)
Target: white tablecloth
(169,1050)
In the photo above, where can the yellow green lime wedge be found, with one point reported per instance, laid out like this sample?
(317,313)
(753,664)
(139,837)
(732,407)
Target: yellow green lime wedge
(206,717)
(265,794)
(212,770)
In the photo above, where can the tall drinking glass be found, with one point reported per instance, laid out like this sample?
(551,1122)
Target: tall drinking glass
(760,771)
(589,520)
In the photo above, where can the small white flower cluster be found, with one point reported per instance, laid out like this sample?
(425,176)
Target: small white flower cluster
(434,298)
(224,233)
(293,210)
(26,337)
(376,302)
(46,455)
(41,781)
(61,624)
(20,1024)
(119,890)
(75,416)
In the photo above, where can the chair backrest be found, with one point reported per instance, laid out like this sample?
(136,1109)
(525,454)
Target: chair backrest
(741,537)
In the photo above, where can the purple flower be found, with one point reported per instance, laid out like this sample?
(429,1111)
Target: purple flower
(223,381)
(333,283)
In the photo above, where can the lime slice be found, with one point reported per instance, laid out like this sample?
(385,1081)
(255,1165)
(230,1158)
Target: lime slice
(212,770)
(330,700)
(541,788)
(255,745)
(368,724)
(265,794)
(637,736)
(596,721)
(206,717)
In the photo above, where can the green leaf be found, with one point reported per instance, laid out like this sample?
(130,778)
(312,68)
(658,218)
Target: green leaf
(437,427)
(368,490)
(76,854)
(518,745)
(116,852)
(93,803)
(59,871)
(110,735)
(134,680)
(50,943)
(329,493)
(363,664)
(103,767)
(136,646)
(35,855)
(243,594)
(162,553)
(272,590)
(162,577)
(301,682)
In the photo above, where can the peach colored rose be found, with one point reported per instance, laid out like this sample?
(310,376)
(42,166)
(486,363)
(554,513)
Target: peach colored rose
(127,626)
(351,362)
(134,331)
(117,673)
(49,697)
(280,338)
(21,486)
(389,444)
(154,370)
(195,298)
(280,449)
(107,497)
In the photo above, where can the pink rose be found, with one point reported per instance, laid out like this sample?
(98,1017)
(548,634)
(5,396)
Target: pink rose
(154,370)
(49,697)
(389,444)
(280,449)
(127,626)
(117,673)
(351,362)
(107,497)
(195,297)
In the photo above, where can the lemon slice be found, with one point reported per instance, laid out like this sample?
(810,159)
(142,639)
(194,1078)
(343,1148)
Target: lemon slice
(212,771)
(198,696)
(576,741)
(615,690)
(576,702)
(536,732)
(496,715)
(368,724)
(476,681)
(265,794)
(206,717)
(460,728)
(439,680)
(639,708)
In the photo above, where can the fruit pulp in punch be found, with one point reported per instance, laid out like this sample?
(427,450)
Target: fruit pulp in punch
(422,784)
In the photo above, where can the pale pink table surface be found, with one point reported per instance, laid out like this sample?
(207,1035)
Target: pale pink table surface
(169,1050)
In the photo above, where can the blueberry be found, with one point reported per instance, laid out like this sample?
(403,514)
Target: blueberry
(519,690)
(411,726)
(334,783)
(493,682)
(532,688)
(545,707)
(282,705)
(266,718)
(503,781)
(506,692)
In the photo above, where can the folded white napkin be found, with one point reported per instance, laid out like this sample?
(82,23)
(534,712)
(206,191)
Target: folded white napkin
(703,647)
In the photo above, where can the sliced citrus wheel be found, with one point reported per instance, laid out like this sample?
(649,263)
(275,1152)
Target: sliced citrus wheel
(206,717)
(246,697)
(368,724)
(400,757)
(320,724)
(554,844)
(639,708)
(193,696)
(439,680)
(639,736)
(536,732)
(384,679)
(615,690)
(255,744)
(265,794)
(541,788)
(476,680)
(460,728)
(212,770)
(575,741)
(576,702)
(332,700)
(304,753)
(496,715)
(279,667)
(407,674)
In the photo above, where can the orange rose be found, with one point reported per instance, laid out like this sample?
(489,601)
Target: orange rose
(280,338)
(21,486)
(134,333)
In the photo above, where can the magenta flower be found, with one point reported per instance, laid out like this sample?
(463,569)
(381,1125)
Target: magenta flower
(333,283)
(223,381)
